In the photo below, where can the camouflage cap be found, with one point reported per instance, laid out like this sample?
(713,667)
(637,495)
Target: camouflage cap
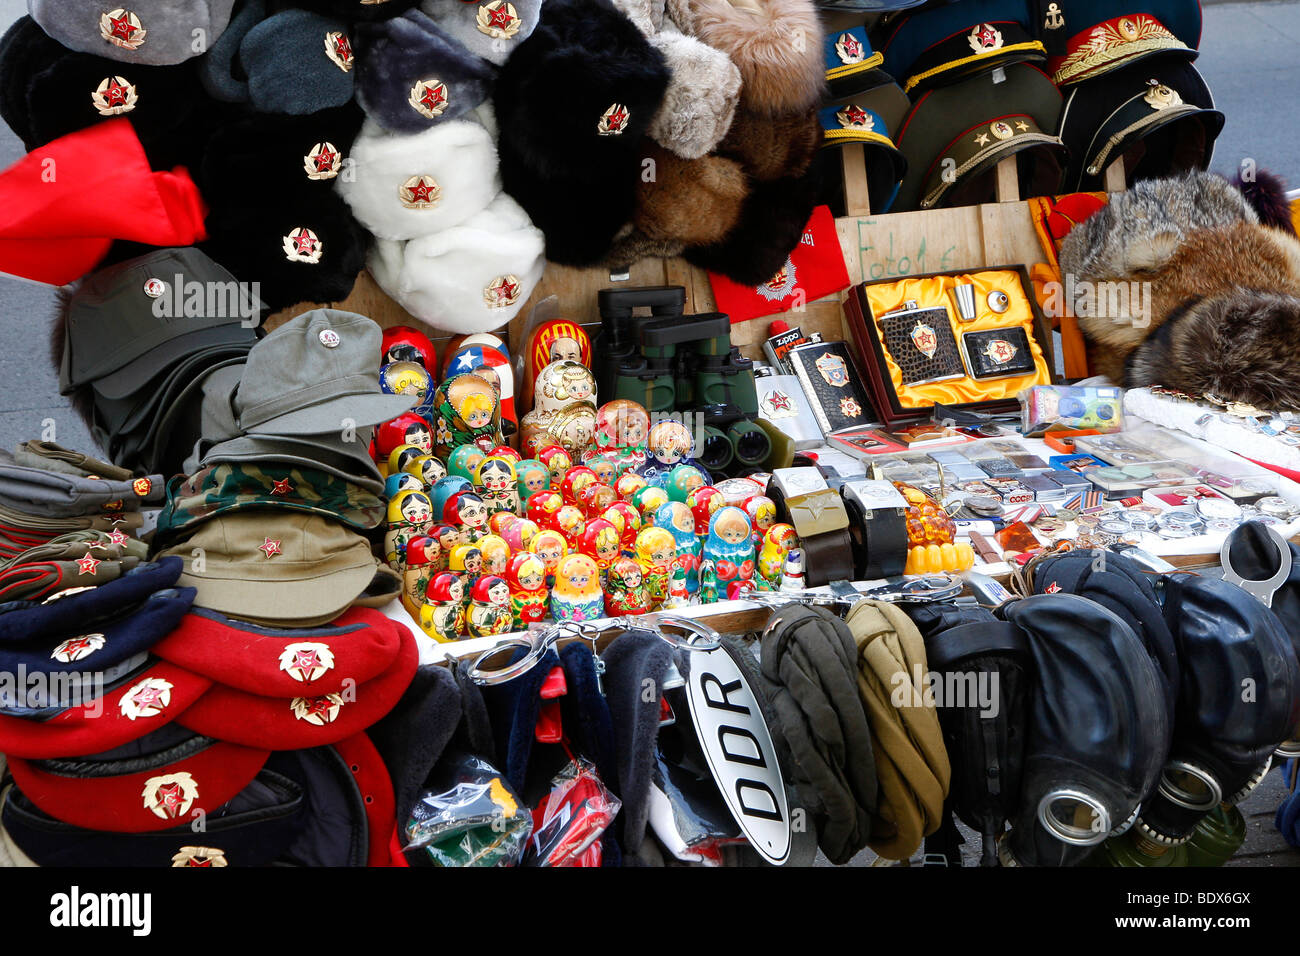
(235,486)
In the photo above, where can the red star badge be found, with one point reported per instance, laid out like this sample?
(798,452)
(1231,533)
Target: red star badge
(147,697)
(433,98)
(271,548)
(1052,588)
(343,46)
(506,291)
(87,564)
(780,401)
(73,647)
(170,799)
(500,17)
(422,193)
(304,244)
(856,115)
(325,160)
(987,36)
(281,487)
(122,28)
(115,93)
(117,537)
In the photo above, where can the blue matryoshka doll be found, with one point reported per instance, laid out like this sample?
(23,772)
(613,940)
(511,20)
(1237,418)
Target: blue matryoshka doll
(728,553)
(676,517)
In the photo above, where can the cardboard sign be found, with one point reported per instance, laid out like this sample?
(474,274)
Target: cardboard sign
(738,747)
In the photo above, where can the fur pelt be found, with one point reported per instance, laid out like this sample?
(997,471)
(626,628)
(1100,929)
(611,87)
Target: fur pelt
(1240,346)
(692,201)
(1266,194)
(777,44)
(631,246)
(700,102)
(773,147)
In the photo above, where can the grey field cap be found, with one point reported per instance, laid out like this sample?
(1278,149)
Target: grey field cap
(58,495)
(154,32)
(128,321)
(317,373)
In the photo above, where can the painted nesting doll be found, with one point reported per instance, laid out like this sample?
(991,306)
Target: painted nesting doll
(442,490)
(606,471)
(542,507)
(628,484)
(402,481)
(564,409)
(464,460)
(530,601)
(600,542)
(677,520)
(575,480)
(704,503)
(467,412)
(551,547)
(762,515)
(442,616)
(409,514)
(570,522)
(423,557)
(648,501)
(467,511)
(496,554)
(728,551)
(655,552)
(682,480)
(495,482)
(448,537)
(628,522)
(489,607)
(625,590)
(466,560)
(577,595)
(408,378)
(519,534)
(531,476)
(668,444)
(401,456)
(427,468)
(778,541)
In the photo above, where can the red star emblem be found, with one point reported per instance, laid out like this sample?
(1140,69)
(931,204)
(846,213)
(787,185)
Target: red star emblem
(271,548)
(618,118)
(122,28)
(851,46)
(304,244)
(500,17)
(306,660)
(988,36)
(1052,588)
(343,47)
(147,697)
(422,192)
(87,564)
(197,862)
(170,798)
(506,290)
(115,94)
(856,115)
(433,97)
(117,537)
(325,160)
(71,648)
(319,707)
(281,487)
(780,400)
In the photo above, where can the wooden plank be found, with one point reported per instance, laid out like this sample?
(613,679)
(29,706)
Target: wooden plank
(1007,188)
(857,195)
(1114,180)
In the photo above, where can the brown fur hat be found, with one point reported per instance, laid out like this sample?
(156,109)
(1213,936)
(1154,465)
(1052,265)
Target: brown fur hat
(693,201)
(1240,346)
(773,147)
(776,44)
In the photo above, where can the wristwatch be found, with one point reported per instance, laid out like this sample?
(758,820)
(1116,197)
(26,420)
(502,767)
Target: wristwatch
(877,528)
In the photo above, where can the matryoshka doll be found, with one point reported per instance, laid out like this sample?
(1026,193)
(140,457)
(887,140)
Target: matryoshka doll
(564,407)
(558,340)
(557,462)
(499,522)
(570,522)
(577,595)
(466,562)
(495,482)
(542,507)
(440,493)
(531,476)
(505,451)
(467,413)
(408,378)
(407,428)
(728,552)
(519,534)
(402,481)
(778,541)
(628,484)
(448,537)
(577,478)
(489,607)
(683,480)
(669,443)
(762,515)
(622,428)
(464,460)
(628,521)
(677,520)
(423,557)
(430,469)
(595,498)
(625,590)
(656,551)
(704,504)
(467,511)
(442,616)
(409,514)
(600,541)
(496,554)
(648,501)
(530,602)
(604,467)
(401,456)
(551,548)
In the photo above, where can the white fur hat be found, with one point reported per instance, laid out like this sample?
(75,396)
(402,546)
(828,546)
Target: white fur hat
(474,277)
(406,185)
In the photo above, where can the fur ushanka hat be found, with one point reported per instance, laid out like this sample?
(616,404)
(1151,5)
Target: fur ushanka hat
(492,29)
(776,44)
(572,105)
(150,32)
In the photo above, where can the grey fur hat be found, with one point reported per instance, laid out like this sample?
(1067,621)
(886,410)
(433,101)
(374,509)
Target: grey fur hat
(153,32)
(491,29)
(412,74)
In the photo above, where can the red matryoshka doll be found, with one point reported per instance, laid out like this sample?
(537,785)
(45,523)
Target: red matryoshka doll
(402,343)
(551,547)
(489,607)
(558,340)
(467,561)
(442,616)
(704,504)
(570,522)
(628,521)
(625,590)
(622,425)
(577,595)
(542,507)
(557,462)
(505,451)
(628,484)
(423,556)
(501,520)
(600,541)
(467,511)
(577,478)
(496,554)
(530,601)
(407,428)
(594,499)
(495,483)
(448,537)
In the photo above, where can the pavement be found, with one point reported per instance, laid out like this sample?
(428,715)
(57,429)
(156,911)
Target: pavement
(1248,58)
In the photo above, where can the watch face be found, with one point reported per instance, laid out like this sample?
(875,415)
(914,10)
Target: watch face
(1274,507)
(1219,508)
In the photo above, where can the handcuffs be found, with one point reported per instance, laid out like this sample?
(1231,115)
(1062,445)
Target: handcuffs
(923,590)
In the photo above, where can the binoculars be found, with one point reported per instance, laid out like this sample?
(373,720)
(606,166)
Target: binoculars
(667,361)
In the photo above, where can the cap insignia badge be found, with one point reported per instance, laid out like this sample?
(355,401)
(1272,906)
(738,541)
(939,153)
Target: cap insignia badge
(78,648)
(420,192)
(306,660)
(114,96)
(339,49)
(985,38)
(317,711)
(429,98)
(323,162)
(498,19)
(122,28)
(199,856)
(88,564)
(170,795)
(271,548)
(614,120)
(303,245)
(502,292)
(849,49)
(149,698)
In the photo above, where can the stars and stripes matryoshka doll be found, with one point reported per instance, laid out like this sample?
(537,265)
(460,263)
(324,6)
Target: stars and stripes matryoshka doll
(625,590)
(577,595)
(466,413)
(442,616)
(656,552)
(530,601)
(489,607)
(728,553)
(496,484)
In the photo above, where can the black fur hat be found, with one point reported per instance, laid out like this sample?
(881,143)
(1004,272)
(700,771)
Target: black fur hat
(572,104)
(23,48)
(267,156)
(771,223)
(1241,346)
(300,249)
